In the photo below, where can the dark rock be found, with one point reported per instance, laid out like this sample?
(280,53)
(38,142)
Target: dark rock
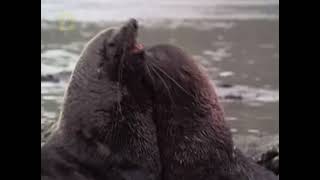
(49,78)
(233,97)
(275,165)
(223,85)
(263,150)
(270,159)
(62,76)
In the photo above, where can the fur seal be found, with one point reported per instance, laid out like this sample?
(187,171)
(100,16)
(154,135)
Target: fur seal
(105,130)
(193,138)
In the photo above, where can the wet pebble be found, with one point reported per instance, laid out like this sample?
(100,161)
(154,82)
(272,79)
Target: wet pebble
(224,85)
(233,97)
(226,74)
(270,159)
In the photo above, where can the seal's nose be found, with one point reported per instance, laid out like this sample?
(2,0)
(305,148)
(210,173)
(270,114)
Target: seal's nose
(133,23)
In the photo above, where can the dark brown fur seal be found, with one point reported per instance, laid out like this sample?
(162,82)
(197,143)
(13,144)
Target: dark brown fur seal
(105,129)
(193,137)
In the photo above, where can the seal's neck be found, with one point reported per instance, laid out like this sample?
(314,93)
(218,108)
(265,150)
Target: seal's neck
(196,121)
(192,129)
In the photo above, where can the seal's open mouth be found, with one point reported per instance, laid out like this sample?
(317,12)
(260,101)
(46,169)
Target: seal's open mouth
(130,31)
(138,47)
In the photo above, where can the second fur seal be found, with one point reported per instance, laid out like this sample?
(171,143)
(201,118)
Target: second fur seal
(194,139)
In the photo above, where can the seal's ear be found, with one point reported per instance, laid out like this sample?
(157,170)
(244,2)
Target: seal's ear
(111,44)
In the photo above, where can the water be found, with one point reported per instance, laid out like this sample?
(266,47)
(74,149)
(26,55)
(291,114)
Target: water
(236,41)
(102,10)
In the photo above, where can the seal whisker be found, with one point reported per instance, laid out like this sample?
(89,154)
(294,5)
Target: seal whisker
(149,73)
(119,81)
(174,81)
(164,83)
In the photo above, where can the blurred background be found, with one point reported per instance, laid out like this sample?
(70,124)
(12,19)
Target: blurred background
(237,41)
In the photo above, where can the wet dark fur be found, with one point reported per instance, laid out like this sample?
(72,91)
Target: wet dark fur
(193,137)
(105,130)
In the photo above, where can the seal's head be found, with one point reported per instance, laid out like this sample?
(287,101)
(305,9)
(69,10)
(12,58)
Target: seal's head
(112,49)
(122,42)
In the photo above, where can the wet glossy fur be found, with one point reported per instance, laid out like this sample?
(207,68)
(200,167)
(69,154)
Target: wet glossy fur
(194,139)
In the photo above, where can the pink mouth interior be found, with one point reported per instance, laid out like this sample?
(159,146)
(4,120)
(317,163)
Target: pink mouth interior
(138,47)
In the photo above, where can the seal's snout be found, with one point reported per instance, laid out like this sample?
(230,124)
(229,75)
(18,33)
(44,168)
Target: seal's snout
(127,37)
(131,29)
(133,23)
(130,26)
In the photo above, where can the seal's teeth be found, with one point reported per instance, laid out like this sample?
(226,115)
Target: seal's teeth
(138,46)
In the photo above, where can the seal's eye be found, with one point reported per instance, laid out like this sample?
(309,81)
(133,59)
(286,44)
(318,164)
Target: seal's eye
(111,44)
